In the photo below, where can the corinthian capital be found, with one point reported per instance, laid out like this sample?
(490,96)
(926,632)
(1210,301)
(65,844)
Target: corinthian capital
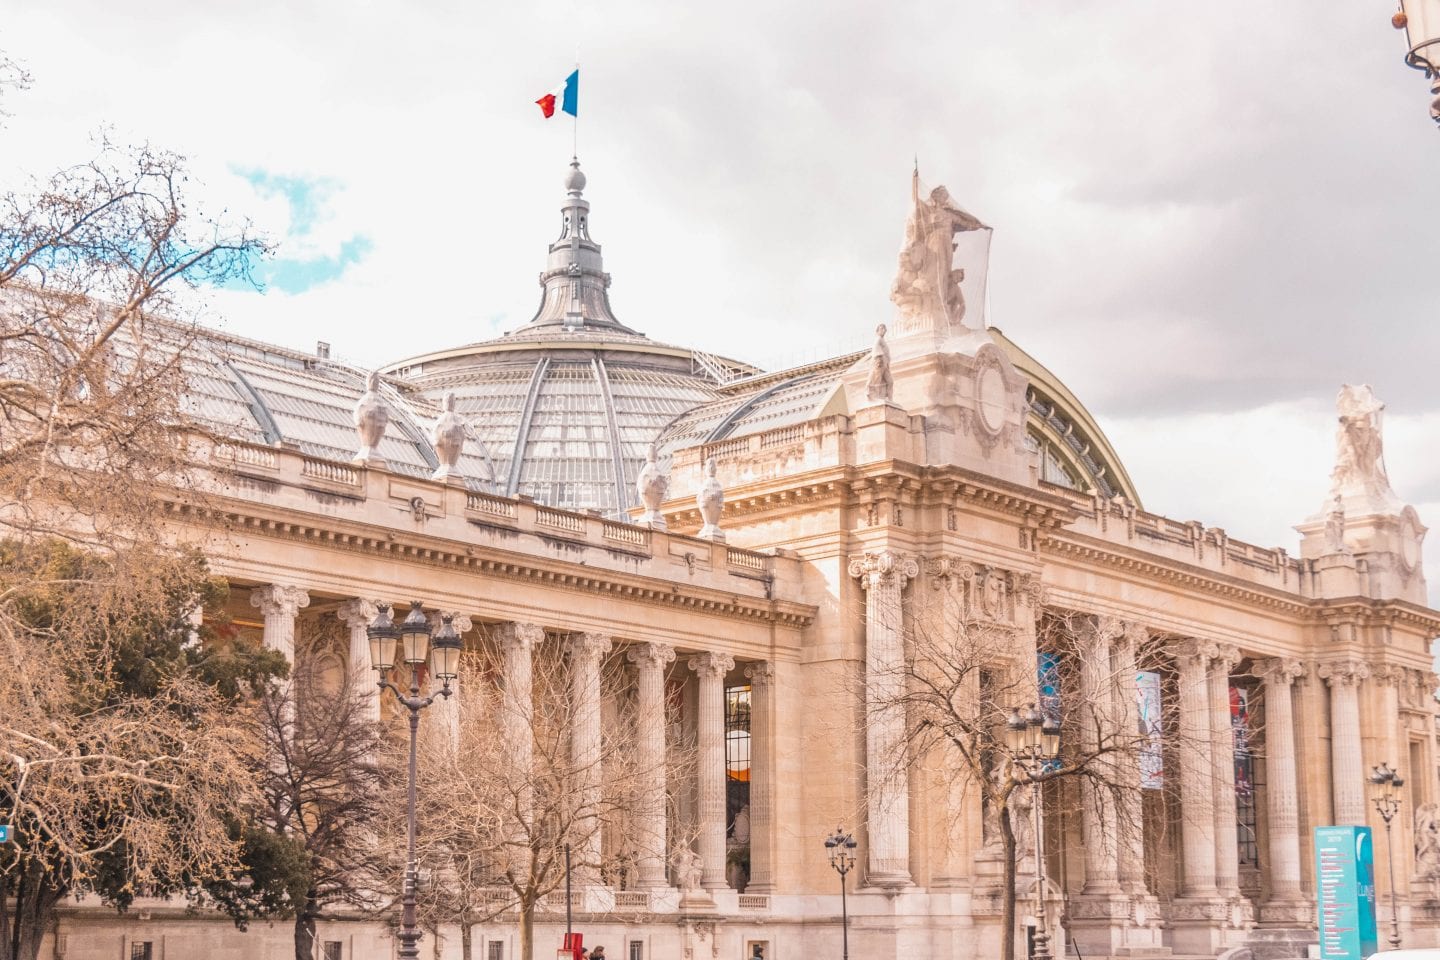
(279,598)
(1343,672)
(518,636)
(882,567)
(357,613)
(1226,656)
(1280,670)
(713,665)
(1194,653)
(653,655)
(589,646)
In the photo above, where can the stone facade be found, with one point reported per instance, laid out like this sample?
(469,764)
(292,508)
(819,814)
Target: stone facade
(833,525)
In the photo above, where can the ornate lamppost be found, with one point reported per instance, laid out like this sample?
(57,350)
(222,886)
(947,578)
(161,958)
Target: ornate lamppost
(1034,742)
(443,656)
(1386,782)
(842,857)
(1420,19)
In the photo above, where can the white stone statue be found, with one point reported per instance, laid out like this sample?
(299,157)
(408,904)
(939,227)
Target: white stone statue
(1022,819)
(880,386)
(652,485)
(1427,841)
(448,438)
(711,501)
(372,413)
(927,285)
(1359,448)
(688,870)
(1335,526)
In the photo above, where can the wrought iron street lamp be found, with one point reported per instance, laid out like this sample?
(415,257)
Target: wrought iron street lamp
(842,857)
(1034,743)
(1420,19)
(1385,782)
(416,648)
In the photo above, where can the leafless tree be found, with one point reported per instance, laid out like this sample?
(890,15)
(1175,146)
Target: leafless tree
(963,673)
(494,829)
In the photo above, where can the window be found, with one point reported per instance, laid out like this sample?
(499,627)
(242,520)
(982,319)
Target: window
(737,760)
(331,950)
(496,950)
(637,950)
(143,950)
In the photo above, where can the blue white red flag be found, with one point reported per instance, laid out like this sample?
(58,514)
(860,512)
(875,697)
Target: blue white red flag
(567,96)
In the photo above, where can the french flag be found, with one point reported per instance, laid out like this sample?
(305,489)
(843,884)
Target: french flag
(567,95)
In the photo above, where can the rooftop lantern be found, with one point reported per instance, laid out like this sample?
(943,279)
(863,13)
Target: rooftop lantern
(1420,19)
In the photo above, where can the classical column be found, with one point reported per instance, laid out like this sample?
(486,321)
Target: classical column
(280,603)
(586,755)
(1193,753)
(1286,901)
(711,669)
(1347,766)
(651,660)
(357,615)
(887,781)
(762,777)
(1222,758)
(1097,734)
(1130,820)
(517,642)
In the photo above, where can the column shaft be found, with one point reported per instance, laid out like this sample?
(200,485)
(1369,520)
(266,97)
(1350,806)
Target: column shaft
(1227,837)
(711,668)
(651,660)
(586,754)
(517,642)
(762,777)
(1282,796)
(1347,766)
(1097,734)
(1193,756)
(357,615)
(887,782)
(1130,819)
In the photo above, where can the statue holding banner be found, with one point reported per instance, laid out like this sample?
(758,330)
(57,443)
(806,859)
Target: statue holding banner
(927,285)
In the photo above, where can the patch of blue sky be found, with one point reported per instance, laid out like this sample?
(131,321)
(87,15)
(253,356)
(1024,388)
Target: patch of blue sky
(304,195)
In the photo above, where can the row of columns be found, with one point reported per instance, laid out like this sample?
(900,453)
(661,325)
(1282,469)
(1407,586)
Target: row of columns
(280,605)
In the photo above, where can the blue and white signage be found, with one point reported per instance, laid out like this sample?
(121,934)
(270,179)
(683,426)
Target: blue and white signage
(1345,881)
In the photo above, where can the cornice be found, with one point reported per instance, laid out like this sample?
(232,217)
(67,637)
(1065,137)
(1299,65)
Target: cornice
(436,551)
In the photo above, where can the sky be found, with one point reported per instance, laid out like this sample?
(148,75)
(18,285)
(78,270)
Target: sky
(1207,217)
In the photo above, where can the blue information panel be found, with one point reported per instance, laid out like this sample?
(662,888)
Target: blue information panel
(4,833)
(1345,879)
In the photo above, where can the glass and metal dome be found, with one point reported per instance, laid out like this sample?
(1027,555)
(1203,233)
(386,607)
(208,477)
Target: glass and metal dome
(568,404)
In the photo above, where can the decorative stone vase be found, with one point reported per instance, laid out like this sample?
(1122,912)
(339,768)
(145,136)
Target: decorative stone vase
(448,439)
(371,416)
(652,485)
(711,501)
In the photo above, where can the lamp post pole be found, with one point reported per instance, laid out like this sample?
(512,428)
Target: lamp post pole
(1386,780)
(443,658)
(841,846)
(1034,742)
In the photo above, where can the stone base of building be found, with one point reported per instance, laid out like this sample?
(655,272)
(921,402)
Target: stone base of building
(1117,925)
(1287,913)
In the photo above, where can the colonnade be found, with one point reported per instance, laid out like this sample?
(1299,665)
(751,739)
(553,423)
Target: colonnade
(517,642)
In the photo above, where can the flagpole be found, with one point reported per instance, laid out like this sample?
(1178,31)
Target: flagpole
(575,117)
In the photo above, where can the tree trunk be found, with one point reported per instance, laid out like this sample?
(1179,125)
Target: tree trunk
(1007,914)
(467,937)
(305,930)
(26,912)
(527,930)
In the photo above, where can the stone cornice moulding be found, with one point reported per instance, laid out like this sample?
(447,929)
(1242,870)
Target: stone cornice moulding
(386,542)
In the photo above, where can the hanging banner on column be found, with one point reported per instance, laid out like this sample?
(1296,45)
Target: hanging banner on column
(1345,878)
(1152,747)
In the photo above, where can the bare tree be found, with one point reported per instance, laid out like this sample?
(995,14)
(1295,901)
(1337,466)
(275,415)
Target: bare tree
(310,842)
(495,823)
(962,675)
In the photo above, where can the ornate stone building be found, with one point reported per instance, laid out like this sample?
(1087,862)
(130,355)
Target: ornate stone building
(563,502)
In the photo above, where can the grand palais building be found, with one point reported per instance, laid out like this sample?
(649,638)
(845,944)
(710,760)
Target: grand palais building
(757,551)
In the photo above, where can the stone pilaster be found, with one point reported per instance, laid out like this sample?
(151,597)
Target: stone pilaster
(1197,793)
(1286,904)
(586,756)
(280,604)
(762,777)
(1347,766)
(1222,759)
(357,615)
(1097,735)
(887,782)
(711,669)
(651,660)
